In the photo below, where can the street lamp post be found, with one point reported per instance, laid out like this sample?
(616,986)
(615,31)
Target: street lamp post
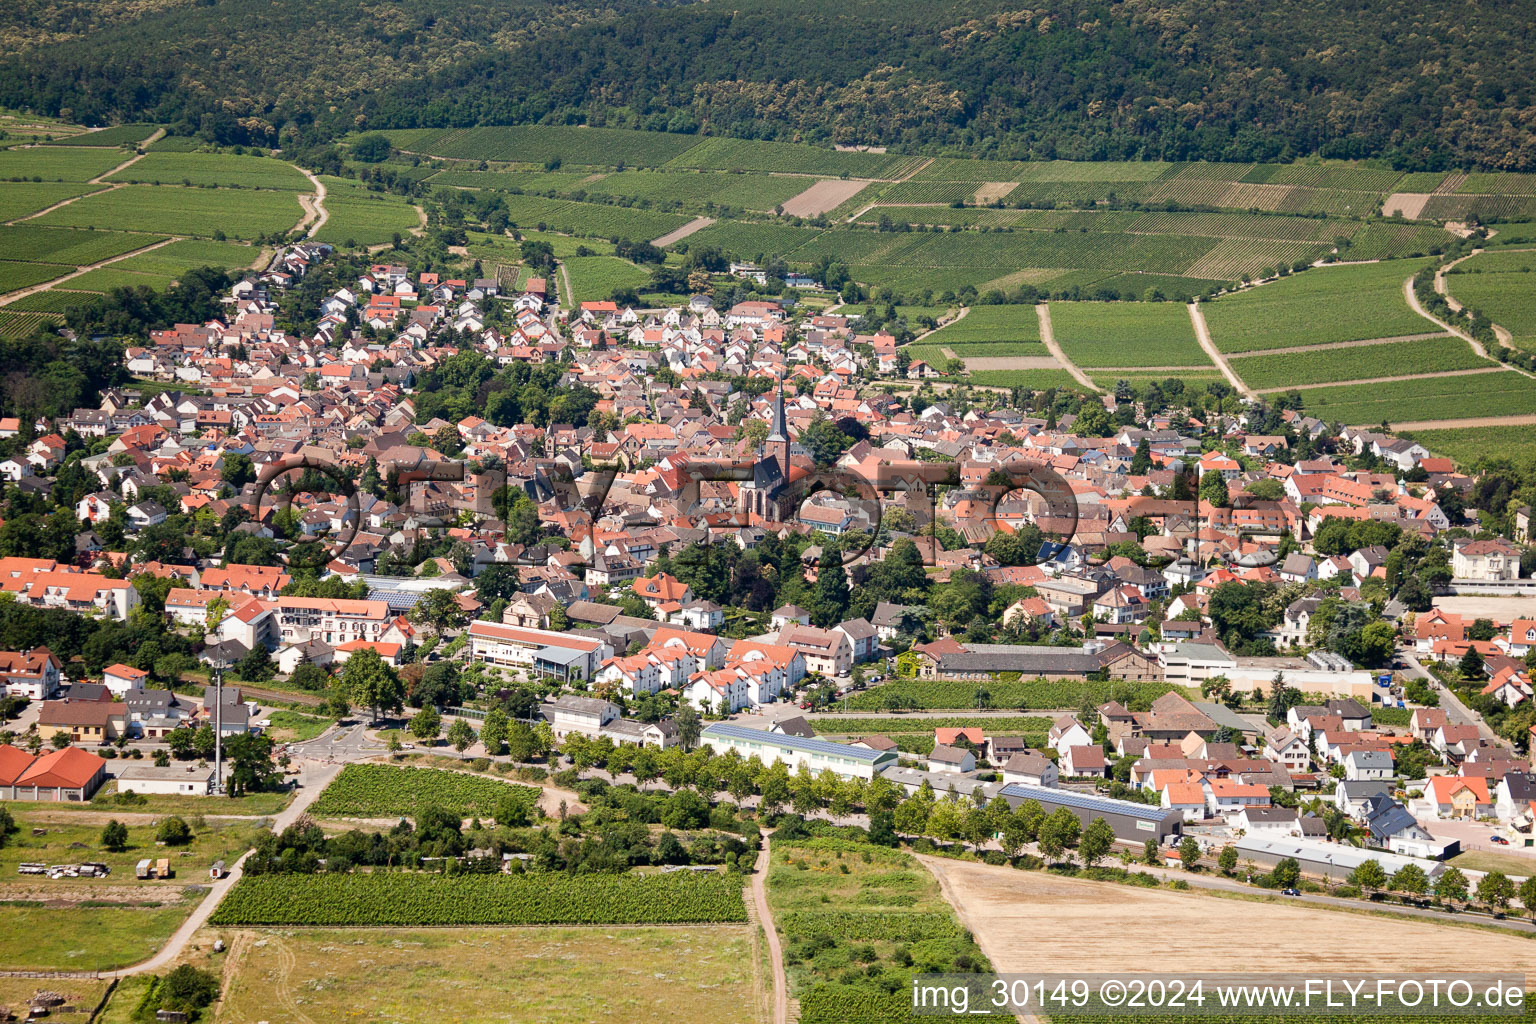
(218,730)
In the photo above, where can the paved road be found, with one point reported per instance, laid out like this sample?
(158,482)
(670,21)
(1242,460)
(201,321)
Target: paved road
(339,745)
(1456,712)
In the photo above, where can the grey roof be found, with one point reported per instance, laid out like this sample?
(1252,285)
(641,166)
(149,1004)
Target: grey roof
(1521,785)
(1083,801)
(1225,716)
(796,726)
(886,614)
(581,705)
(1370,758)
(1364,789)
(1270,813)
(729,730)
(560,656)
(857,629)
(947,755)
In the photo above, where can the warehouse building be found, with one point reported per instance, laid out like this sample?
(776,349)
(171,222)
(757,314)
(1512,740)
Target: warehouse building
(816,755)
(1132,822)
(1334,861)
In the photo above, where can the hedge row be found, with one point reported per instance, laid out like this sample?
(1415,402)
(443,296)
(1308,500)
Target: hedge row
(1037,693)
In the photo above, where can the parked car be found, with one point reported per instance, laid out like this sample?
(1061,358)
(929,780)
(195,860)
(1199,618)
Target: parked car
(1500,840)
(1290,892)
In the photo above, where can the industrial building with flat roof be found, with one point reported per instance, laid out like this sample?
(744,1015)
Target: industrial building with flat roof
(794,751)
(1132,822)
(1326,860)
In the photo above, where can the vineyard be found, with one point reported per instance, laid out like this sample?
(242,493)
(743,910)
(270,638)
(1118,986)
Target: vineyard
(938,695)
(727,154)
(1469,444)
(1328,304)
(400,898)
(386,791)
(512,181)
(119,135)
(218,169)
(22,325)
(1036,380)
(184,211)
(189,253)
(24,275)
(740,239)
(541,144)
(18,199)
(66,245)
(52,301)
(1005,726)
(836,903)
(747,191)
(1234,258)
(943,192)
(1126,334)
(104,279)
(1499,286)
(989,325)
(1505,393)
(44,163)
(1328,366)
(595,278)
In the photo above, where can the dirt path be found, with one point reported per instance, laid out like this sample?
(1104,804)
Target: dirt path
(775,949)
(1290,349)
(1048,337)
(1440,286)
(1471,421)
(1203,335)
(60,204)
(1477,346)
(156,137)
(1389,380)
(567,297)
(34,289)
(678,234)
(321,212)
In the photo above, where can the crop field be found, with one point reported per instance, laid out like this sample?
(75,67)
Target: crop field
(839,904)
(936,695)
(1126,334)
(989,324)
(905,192)
(104,279)
(119,135)
(1014,912)
(1469,444)
(64,245)
(750,240)
(18,199)
(1433,398)
(1328,304)
(385,790)
(54,163)
(176,144)
(399,898)
(594,278)
(183,211)
(539,144)
(662,975)
(1332,365)
(362,216)
(701,189)
(222,169)
(1380,240)
(23,325)
(725,154)
(1509,300)
(1459,207)
(23,275)
(1499,183)
(188,254)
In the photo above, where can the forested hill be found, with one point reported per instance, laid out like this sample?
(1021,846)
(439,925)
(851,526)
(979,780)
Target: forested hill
(1428,84)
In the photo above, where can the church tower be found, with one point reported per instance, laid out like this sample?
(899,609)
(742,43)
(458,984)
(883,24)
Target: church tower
(776,447)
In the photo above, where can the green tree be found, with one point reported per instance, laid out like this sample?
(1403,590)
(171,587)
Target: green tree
(426,725)
(1213,489)
(251,770)
(1528,895)
(439,610)
(493,731)
(1058,833)
(1189,854)
(1097,840)
(688,727)
(173,831)
(1369,874)
(371,683)
(1471,665)
(1409,878)
(461,735)
(1451,886)
(1286,874)
(1227,859)
(114,837)
(1495,890)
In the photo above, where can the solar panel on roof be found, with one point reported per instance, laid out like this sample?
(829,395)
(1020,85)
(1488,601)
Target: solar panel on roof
(1082,801)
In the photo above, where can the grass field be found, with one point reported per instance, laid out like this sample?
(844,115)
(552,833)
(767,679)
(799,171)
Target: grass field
(292,727)
(1329,304)
(222,169)
(989,324)
(1494,394)
(252,804)
(83,994)
(183,211)
(53,163)
(70,843)
(69,246)
(1039,380)
(19,199)
(36,936)
(1468,444)
(1126,334)
(1391,359)
(594,278)
(23,275)
(680,975)
(725,154)
(362,217)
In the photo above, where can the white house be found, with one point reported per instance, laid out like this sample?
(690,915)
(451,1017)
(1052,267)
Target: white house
(816,755)
(1066,732)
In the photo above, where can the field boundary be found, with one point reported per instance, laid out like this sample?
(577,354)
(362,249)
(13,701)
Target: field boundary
(1203,336)
(1477,346)
(1389,380)
(678,234)
(46,285)
(315,207)
(143,148)
(1048,338)
(1307,349)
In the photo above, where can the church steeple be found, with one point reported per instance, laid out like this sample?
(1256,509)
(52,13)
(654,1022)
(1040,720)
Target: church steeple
(780,431)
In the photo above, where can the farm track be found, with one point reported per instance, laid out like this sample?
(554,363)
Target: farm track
(775,948)
(317,204)
(100,179)
(1477,346)
(1471,421)
(1048,338)
(156,137)
(678,234)
(62,203)
(34,289)
(1203,335)
(958,317)
(567,296)
(1386,380)
(1296,349)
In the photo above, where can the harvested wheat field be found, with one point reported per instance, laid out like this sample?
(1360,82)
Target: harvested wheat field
(973,363)
(823,196)
(1082,925)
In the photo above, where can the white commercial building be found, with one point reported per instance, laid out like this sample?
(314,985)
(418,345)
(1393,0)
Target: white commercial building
(794,751)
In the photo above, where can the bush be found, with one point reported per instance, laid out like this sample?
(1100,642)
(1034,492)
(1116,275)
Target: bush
(173,831)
